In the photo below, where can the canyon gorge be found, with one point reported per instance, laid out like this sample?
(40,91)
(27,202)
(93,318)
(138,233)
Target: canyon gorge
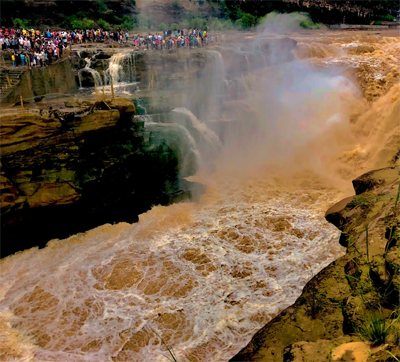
(180,198)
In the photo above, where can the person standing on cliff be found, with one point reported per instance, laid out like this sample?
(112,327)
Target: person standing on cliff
(22,57)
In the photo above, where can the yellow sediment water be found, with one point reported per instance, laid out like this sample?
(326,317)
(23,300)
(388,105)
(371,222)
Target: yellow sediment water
(207,276)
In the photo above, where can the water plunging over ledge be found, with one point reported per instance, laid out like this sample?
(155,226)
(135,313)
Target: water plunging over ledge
(205,276)
(96,76)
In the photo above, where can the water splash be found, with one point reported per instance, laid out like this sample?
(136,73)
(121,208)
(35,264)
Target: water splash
(207,141)
(217,63)
(206,133)
(204,277)
(122,68)
(140,105)
(96,76)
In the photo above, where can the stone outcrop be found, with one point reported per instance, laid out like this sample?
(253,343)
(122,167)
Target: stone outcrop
(58,78)
(83,163)
(326,322)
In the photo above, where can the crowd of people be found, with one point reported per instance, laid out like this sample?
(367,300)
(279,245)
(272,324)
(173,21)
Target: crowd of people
(32,47)
(37,49)
(175,39)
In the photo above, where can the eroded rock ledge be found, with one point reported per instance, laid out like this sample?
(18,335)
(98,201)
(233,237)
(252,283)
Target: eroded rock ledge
(322,325)
(84,163)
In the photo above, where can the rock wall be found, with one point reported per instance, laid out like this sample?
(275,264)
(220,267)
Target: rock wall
(58,78)
(327,321)
(87,163)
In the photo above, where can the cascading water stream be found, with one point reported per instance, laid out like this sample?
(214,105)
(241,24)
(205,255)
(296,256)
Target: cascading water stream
(207,142)
(208,135)
(121,69)
(96,76)
(217,82)
(218,63)
(141,106)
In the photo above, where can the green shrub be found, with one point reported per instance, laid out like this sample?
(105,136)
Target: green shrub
(363,202)
(21,23)
(248,21)
(84,23)
(102,7)
(128,23)
(378,22)
(215,24)
(163,27)
(239,23)
(218,24)
(228,24)
(185,24)
(197,23)
(386,18)
(174,26)
(308,24)
(142,22)
(145,22)
(104,24)
(374,330)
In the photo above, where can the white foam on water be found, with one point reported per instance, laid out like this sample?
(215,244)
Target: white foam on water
(204,277)
(122,68)
(351,45)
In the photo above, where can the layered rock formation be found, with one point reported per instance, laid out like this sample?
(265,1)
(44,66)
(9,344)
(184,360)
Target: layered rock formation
(57,79)
(85,164)
(329,320)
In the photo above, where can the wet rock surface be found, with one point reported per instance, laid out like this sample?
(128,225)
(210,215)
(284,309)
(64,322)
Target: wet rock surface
(70,165)
(326,321)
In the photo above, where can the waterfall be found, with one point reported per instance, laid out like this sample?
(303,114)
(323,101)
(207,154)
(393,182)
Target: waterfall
(192,142)
(145,118)
(96,76)
(254,56)
(218,64)
(207,134)
(216,83)
(121,68)
(208,143)
(139,105)
(174,136)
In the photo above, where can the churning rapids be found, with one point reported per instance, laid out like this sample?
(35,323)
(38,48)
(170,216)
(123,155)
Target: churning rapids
(206,276)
